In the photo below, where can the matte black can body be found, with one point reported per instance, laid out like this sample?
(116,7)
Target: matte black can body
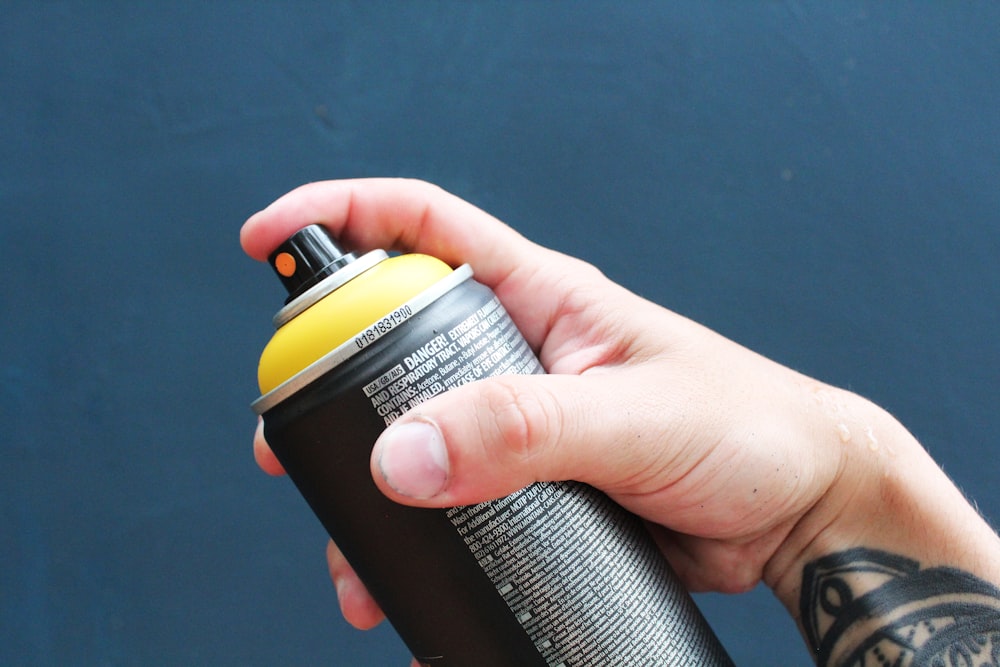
(555,574)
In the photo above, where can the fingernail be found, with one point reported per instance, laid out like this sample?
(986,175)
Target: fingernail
(413,459)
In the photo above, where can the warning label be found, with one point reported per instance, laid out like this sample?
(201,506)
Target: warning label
(485,343)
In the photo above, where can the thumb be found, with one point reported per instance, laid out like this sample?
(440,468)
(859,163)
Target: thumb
(490,438)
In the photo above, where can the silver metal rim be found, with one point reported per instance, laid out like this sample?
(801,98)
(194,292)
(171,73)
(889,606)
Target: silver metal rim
(349,348)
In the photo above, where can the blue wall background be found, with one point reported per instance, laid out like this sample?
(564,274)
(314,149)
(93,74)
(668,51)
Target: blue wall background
(818,181)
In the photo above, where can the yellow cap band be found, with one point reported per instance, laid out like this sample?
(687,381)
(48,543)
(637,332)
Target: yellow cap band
(344,313)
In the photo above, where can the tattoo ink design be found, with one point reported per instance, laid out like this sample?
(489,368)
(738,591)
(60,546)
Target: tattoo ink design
(868,608)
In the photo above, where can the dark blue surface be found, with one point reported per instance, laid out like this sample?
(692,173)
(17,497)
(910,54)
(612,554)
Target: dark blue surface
(818,181)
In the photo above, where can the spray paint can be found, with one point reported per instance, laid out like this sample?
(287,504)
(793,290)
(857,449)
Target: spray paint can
(553,575)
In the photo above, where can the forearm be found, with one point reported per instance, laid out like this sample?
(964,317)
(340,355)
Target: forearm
(892,561)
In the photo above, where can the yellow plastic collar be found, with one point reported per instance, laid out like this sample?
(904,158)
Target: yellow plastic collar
(344,313)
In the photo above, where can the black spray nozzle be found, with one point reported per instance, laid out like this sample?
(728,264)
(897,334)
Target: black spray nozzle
(307,257)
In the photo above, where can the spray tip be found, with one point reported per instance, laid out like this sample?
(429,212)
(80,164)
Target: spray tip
(307,257)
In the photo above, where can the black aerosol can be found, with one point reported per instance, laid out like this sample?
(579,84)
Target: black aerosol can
(555,574)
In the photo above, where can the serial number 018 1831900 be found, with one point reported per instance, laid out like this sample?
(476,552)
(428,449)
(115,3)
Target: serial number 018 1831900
(383,326)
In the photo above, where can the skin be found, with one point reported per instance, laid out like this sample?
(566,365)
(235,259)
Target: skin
(745,470)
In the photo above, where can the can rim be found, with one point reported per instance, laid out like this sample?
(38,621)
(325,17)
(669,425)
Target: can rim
(350,347)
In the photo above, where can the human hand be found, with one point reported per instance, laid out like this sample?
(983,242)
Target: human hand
(744,469)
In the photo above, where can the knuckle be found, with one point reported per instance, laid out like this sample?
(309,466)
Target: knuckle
(523,422)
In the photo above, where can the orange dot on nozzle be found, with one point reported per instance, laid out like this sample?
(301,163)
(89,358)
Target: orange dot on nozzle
(285,264)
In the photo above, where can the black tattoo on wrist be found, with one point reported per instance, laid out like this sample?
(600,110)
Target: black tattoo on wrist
(868,608)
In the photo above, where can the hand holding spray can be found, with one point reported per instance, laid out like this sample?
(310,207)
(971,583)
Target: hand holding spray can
(555,574)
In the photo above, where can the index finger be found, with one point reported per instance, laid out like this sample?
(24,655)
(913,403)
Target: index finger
(399,214)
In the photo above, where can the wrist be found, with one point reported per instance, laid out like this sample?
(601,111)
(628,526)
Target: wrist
(887,494)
